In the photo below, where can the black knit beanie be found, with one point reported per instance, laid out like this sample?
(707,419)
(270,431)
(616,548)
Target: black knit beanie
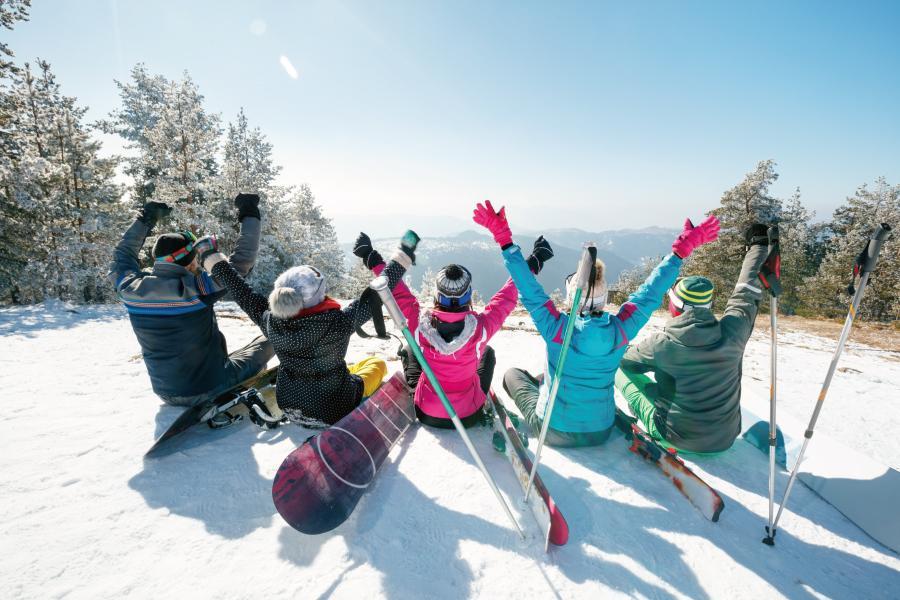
(170,243)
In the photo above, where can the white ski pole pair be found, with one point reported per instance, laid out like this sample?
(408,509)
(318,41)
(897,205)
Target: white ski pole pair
(865,264)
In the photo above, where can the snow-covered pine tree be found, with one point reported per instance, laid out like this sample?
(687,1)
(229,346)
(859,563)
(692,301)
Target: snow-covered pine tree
(852,224)
(143,97)
(247,166)
(745,203)
(174,141)
(800,254)
(309,237)
(181,151)
(11,11)
(59,200)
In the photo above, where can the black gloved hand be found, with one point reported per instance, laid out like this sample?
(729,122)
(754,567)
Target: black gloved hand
(542,253)
(247,205)
(152,212)
(363,249)
(408,244)
(756,235)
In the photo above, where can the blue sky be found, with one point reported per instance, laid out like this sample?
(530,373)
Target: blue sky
(595,115)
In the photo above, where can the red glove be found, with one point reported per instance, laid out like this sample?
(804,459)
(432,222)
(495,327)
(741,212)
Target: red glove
(495,222)
(693,237)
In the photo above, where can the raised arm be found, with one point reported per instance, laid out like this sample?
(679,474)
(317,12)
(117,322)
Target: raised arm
(403,258)
(126,262)
(247,247)
(539,305)
(636,311)
(252,303)
(373,261)
(743,305)
(501,304)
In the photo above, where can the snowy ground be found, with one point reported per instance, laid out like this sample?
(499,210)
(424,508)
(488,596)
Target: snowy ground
(83,516)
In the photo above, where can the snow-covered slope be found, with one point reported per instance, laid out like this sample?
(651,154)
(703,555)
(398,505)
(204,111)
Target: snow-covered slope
(83,516)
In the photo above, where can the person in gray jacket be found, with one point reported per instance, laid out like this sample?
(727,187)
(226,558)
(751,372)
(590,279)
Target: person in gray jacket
(171,307)
(694,404)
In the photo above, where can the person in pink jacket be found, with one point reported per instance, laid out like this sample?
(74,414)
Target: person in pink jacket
(453,338)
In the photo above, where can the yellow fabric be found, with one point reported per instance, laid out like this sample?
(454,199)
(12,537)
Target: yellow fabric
(372,371)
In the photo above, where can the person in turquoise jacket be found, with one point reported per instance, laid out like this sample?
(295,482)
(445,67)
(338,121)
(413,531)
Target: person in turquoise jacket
(585,408)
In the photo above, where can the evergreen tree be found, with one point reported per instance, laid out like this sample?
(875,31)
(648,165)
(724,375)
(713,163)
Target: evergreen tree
(59,201)
(11,11)
(843,238)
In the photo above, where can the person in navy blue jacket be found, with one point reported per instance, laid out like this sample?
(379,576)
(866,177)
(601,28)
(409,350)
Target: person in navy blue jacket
(171,307)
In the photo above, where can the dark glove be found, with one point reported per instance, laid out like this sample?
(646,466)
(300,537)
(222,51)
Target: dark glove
(408,244)
(247,205)
(756,235)
(152,212)
(363,249)
(542,253)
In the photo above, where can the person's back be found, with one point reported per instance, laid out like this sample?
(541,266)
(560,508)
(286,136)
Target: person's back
(694,402)
(310,333)
(453,339)
(171,308)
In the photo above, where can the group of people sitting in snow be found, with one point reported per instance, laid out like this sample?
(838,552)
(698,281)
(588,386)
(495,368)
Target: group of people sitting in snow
(691,402)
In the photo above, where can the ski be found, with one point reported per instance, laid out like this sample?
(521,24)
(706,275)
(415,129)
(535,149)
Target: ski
(697,491)
(319,484)
(548,516)
(245,393)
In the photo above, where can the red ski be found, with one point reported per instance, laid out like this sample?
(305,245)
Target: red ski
(700,494)
(551,521)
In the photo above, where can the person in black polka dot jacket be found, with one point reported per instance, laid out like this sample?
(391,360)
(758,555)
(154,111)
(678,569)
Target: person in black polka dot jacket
(310,333)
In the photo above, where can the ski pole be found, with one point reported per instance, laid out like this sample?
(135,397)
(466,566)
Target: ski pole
(770,275)
(380,285)
(865,264)
(585,264)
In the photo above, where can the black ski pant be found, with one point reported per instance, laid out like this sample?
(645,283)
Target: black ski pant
(524,389)
(413,371)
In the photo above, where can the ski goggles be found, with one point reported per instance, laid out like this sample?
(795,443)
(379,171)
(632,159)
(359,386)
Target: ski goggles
(449,301)
(181,252)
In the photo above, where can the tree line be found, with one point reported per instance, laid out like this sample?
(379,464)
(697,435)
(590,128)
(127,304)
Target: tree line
(816,257)
(64,207)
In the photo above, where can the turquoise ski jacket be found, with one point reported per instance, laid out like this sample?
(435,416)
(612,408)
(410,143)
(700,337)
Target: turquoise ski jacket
(585,401)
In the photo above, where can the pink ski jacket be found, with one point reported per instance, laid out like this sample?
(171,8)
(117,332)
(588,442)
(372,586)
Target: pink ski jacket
(454,363)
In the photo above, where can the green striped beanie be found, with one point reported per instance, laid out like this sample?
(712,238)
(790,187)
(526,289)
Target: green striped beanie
(693,291)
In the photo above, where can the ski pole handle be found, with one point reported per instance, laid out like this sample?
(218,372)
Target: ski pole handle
(585,265)
(881,233)
(380,285)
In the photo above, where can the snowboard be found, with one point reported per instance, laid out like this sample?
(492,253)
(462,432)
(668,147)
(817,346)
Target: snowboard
(245,393)
(548,516)
(697,491)
(319,484)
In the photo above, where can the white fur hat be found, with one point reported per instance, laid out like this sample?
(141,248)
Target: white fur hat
(295,289)
(597,300)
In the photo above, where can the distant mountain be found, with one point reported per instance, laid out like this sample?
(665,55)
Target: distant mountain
(389,225)
(478,253)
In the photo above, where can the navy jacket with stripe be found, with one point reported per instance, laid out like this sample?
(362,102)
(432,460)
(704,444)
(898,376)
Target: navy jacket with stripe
(171,312)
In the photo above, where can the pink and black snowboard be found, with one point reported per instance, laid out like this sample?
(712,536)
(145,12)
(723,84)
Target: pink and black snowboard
(319,484)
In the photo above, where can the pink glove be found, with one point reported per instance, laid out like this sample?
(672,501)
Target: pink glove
(693,237)
(495,222)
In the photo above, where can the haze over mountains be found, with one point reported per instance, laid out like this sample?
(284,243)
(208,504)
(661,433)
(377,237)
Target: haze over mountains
(619,249)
